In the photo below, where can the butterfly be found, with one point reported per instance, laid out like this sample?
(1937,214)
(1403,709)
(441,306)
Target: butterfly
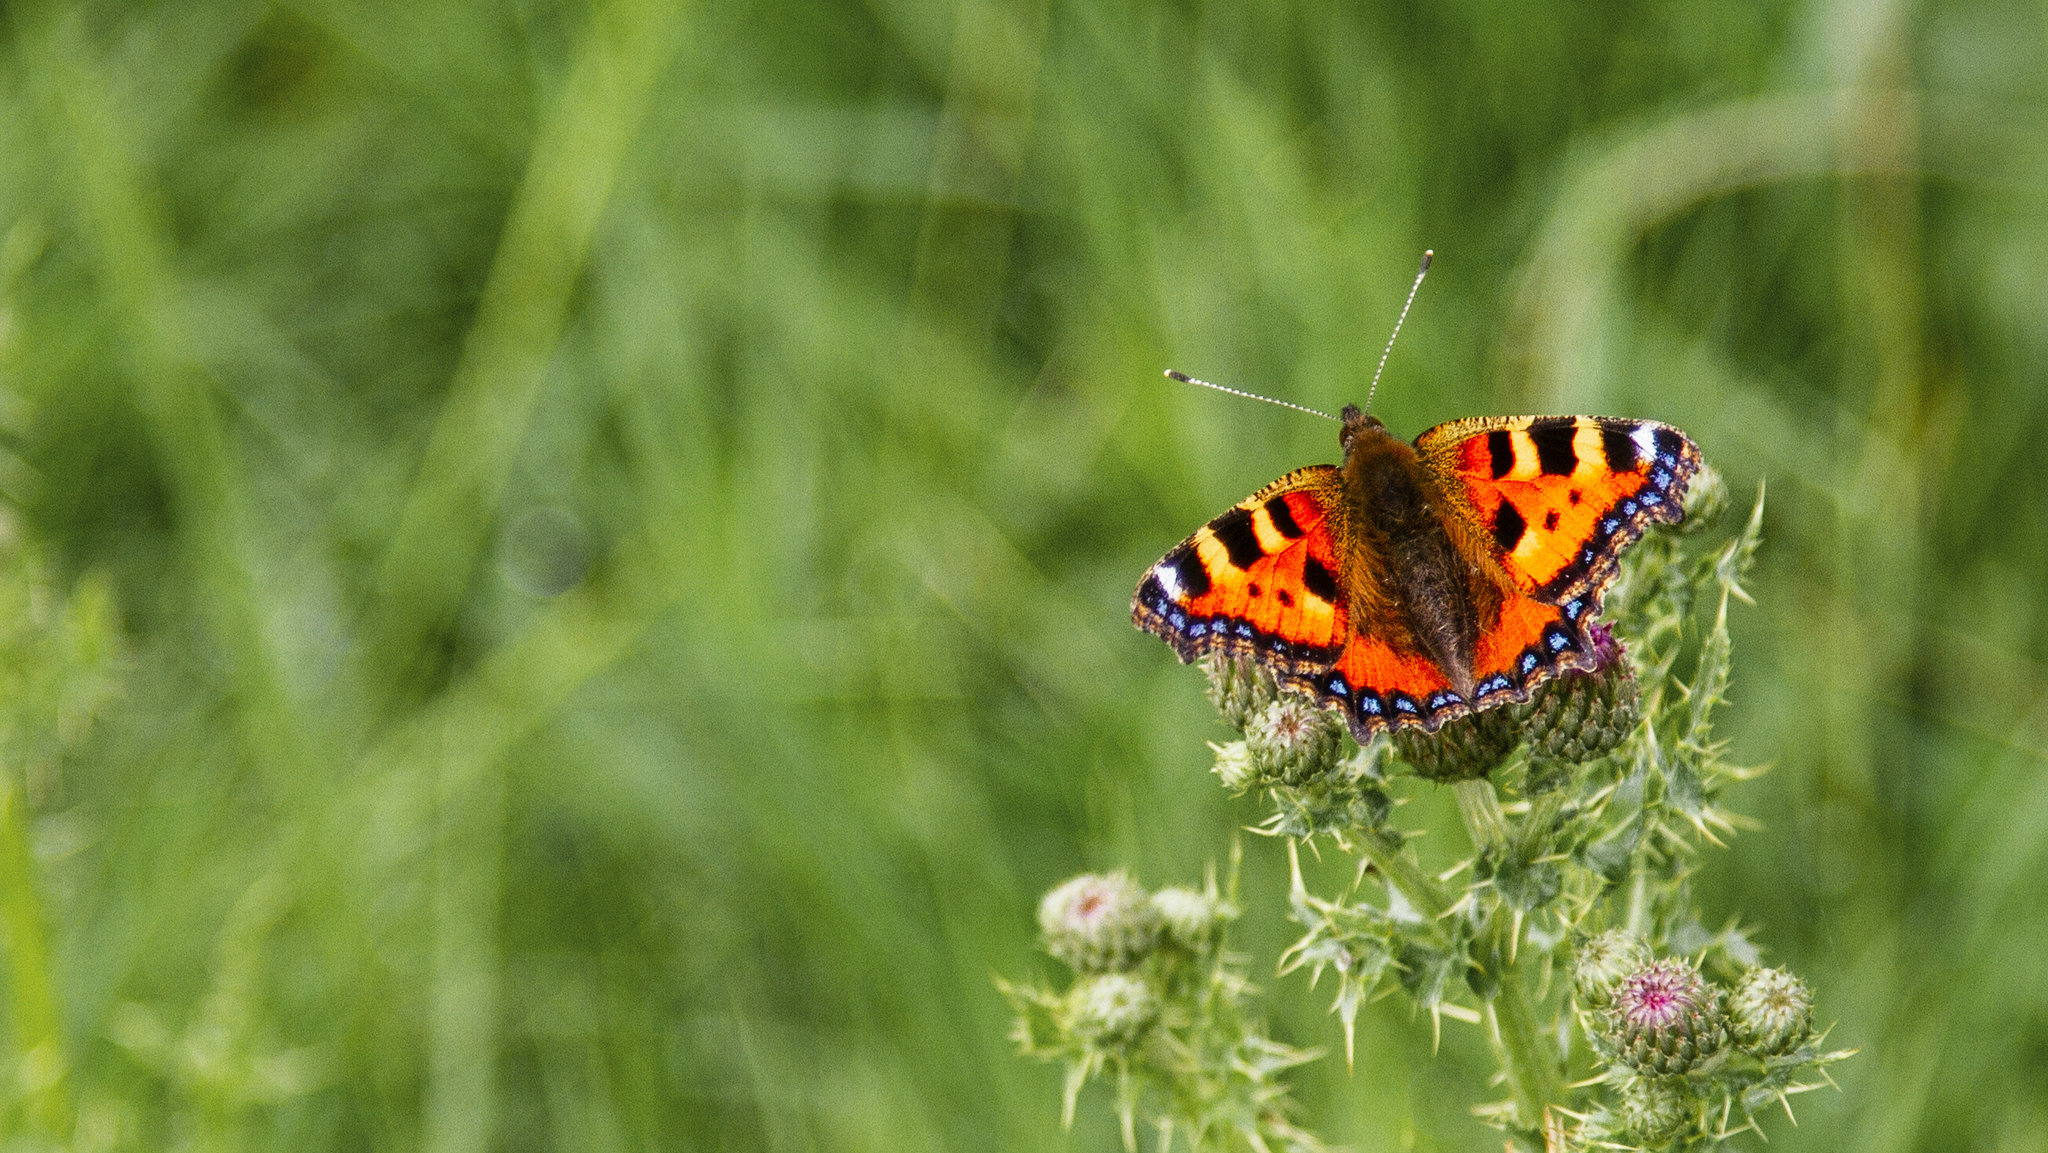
(1415,584)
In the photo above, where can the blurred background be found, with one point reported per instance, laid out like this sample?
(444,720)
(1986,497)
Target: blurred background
(567,565)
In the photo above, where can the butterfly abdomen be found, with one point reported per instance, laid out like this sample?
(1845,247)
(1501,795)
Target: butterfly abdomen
(1411,583)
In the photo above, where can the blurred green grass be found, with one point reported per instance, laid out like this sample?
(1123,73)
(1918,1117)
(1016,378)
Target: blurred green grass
(619,522)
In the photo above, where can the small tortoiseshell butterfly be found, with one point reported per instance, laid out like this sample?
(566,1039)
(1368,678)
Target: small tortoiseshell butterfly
(1416,584)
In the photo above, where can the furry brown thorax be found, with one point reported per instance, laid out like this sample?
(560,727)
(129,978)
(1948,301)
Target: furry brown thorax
(1407,576)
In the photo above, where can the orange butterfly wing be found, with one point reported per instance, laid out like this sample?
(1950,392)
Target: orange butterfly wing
(1259,581)
(1554,499)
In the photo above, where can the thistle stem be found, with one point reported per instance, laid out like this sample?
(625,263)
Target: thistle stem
(1531,1065)
(1638,918)
(1404,875)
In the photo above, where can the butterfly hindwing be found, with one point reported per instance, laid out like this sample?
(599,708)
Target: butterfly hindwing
(1377,688)
(1554,499)
(1259,581)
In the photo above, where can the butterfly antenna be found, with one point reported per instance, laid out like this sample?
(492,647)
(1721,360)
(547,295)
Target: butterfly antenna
(1184,378)
(1427,256)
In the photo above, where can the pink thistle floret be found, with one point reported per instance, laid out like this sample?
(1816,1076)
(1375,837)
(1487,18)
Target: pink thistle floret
(1659,994)
(1607,649)
(1099,922)
(1089,905)
(1666,1020)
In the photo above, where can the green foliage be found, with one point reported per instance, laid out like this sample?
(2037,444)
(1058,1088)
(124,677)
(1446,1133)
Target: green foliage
(59,667)
(615,523)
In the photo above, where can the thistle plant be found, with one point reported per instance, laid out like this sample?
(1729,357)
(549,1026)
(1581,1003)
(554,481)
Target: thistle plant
(1162,1008)
(1567,931)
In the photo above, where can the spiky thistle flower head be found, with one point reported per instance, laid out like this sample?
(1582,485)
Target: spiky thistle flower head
(1111,1009)
(1293,740)
(1770,1012)
(1582,716)
(1666,1019)
(1099,922)
(1705,499)
(1239,688)
(1191,918)
(1654,1110)
(1234,766)
(1601,962)
(1464,749)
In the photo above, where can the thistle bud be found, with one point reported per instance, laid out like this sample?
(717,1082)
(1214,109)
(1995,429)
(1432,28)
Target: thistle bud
(1191,918)
(1464,749)
(1234,766)
(1582,716)
(1654,1110)
(1293,741)
(1705,499)
(1770,1012)
(1111,1009)
(1238,688)
(1099,923)
(1666,1019)
(1601,962)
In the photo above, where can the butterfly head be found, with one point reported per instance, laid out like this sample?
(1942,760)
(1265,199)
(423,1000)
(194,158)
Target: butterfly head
(1357,422)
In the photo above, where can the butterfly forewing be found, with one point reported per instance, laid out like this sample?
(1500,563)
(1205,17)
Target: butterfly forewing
(1555,499)
(1258,581)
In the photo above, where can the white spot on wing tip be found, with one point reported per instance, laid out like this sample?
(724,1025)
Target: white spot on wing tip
(1646,439)
(1168,580)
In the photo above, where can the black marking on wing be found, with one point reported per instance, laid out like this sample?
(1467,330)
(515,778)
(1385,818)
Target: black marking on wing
(1500,446)
(1508,526)
(1283,518)
(1234,530)
(1319,580)
(1188,567)
(1670,445)
(1555,453)
(1618,446)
